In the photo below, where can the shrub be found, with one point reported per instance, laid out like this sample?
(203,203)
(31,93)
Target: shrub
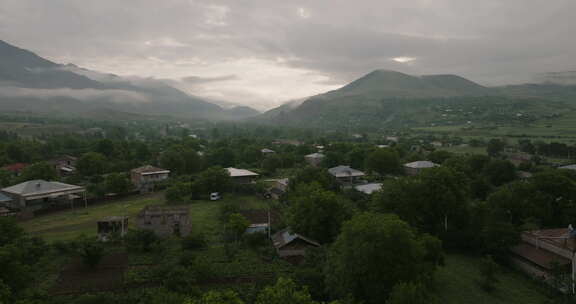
(194,242)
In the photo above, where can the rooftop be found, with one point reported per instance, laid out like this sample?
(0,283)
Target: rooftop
(369,188)
(38,187)
(569,167)
(240,172)
(284,237)
(148,169)
(265,150)
(345,171)
(421,164)
(315,155)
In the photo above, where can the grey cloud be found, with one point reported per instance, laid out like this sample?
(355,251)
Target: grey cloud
(493,41)
(202,80)
(116,96)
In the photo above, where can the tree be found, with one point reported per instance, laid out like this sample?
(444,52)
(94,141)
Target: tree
(317,213)
(117,183)
(218,297)
(91,163)
(236,225)
(372,254)
(283,292)
(495,147)
(434,201)
(41,170)
(5,178)
(91,251)
(499,172)
(310,175)
(383,161)
(213,179)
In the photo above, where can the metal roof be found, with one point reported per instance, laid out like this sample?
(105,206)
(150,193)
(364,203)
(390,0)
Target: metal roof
(345,171)
(421,164)
(240,172)
(4,198)
(40,187)
(315,155)
(369,188)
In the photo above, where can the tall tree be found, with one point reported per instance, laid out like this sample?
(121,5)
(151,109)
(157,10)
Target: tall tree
(91,163)
(383,161)
(317,213)
(372,254)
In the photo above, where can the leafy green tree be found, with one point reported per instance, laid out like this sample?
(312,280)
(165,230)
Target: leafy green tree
(223,157)
(117,183)
(236,225)
(91,251)
(410,293)
(271,163)
(439,156)
(383,161)
(214,179)
(283,292)
(5,178)
(41,170)
(310,175)
(495,147)
(497,238)
(372,254)
(499,172)
(433,201)
(91,163)
(317,213)
(217,297)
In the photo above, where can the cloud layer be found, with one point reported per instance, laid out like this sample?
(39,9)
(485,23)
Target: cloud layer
(262,52)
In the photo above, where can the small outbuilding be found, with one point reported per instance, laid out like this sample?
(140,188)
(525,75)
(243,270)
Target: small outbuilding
(267,151)
(112,225)
(292,246)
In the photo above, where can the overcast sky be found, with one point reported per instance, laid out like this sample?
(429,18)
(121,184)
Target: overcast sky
(263,52)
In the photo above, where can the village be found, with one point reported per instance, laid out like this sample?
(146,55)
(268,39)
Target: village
(197,213)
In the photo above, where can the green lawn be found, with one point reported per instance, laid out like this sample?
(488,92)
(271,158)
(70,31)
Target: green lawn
(458,283)
(69,224)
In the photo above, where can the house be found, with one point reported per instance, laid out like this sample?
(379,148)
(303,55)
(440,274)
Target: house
(15,168)
(278,187)
(112,225)
(266,151)
(145,178)
(165,221)
(39,194)
(523,175)
(5,200)
(369,188)
(292,246)
(242,176)
(519,158)
(65,165)
(568,167)
(314,159)
(416,167)
(345,174)
(543,252)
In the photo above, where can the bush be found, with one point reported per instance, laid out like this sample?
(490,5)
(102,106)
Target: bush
(91,251)
(194,242)
(255,240)
(142,240)
(488,271)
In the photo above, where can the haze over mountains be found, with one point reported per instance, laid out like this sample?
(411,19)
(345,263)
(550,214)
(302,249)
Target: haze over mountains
(380,98)
(31,83)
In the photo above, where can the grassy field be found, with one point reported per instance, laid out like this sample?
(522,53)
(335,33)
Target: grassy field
(458,283)
(69,224)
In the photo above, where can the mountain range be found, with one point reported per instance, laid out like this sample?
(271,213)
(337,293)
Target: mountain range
(29,82)
(385,98)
